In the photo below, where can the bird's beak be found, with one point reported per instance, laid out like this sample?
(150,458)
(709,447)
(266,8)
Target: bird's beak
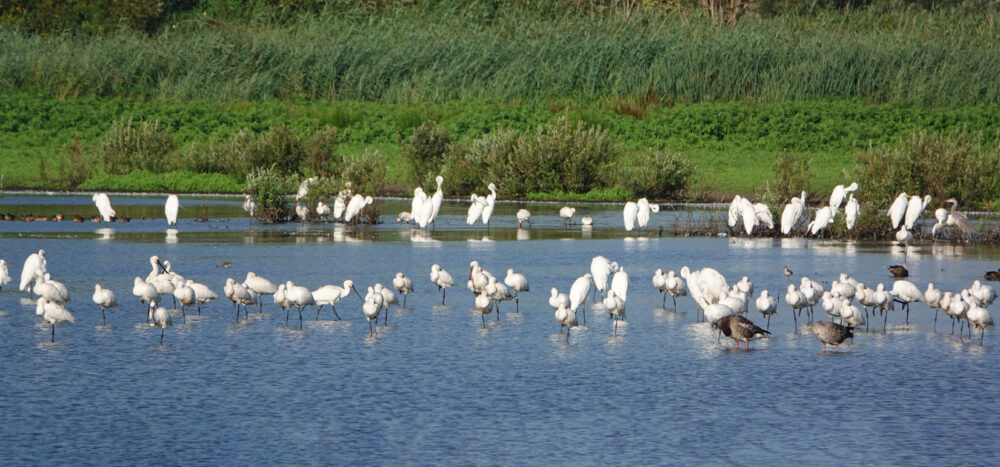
(158,263)
(357,293)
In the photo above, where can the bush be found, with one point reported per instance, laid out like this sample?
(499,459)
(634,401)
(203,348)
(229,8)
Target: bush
(246,151)
(366,172)
(129,147)
(75,166)
(655,174)
(942,164)
(462,175)
(319,150)
(426,152)
(793,174)
(267,188)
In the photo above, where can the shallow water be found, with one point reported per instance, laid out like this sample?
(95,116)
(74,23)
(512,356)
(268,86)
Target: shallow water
(433,387)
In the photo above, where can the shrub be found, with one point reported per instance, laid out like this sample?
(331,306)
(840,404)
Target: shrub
(131,146)
(246,151)
(267,188)
(462,174)
(319,150)
(941,164)
(792,175)
(426,152)
(75,166)
(366,172)
(655,174)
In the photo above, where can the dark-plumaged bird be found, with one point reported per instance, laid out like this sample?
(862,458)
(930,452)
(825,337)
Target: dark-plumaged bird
(740,329)
(992,275)
(898,270)
(829,332)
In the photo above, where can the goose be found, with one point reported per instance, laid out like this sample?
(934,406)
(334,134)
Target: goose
(829,332)
(739,329)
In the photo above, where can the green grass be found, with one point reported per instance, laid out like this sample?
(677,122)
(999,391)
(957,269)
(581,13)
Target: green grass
(443,54)
(732,144)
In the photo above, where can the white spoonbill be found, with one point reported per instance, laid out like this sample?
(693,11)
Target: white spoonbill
(442,279)
(568,215)
(146,293)
(904,237)
(54,314)
(558,300)
(249,206)
(660,284)
(675,285)
(523,215)
(202,293)
(957,219)
(103,204)
(185,297)
(767,306)
(518,283)
(4,273)
(304,188)
(371,310)
(615,307)
(300,297)
(980,318)
(162,319)
(259,285)
(796,301)
(170,209)
(322,210)
(906,292)
(239,295)
(331,294)
(403,284)
(104,298)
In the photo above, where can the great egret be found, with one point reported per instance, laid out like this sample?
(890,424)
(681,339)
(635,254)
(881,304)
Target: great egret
(170,209)
(4,273)
(897,210)
(103,204)
(34,267)
(53,313)
(829,332)
(914,208)
(600,270)
(740,329)
(791,213)
(475,209)
(417,206)
(523,215)
(838,194)
(957,219)
(442,279)
(851,211)
(104,298)
(436,202)
(763,214)
(354,208)
(643,212)
(619,284)
(629,214)
(249,206)
(491,201)
(403,284)
(304,188)
(578,293)
(824,217)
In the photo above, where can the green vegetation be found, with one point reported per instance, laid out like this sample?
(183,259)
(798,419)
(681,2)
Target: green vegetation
(267,187)
(596,100)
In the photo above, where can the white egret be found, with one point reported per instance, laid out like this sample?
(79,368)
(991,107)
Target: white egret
(491,201)
(4,273)
(304,188)
(436,202)
(104,298)
(957,219)
(838,194)
(354,208)
(763,214)
(103,204)
(54,314)
(629,215)
(578,293)
(600,270)
(417,206)
(475,209)
(897,210)
(851,211)
(749,215)
(791,213)
(735,209)
(914,208)
(170,209)
(619,283)
(249,206)
(824,217)
(643,209)
(34,267)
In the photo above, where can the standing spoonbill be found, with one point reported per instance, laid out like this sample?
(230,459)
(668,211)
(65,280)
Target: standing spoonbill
(162,319)
(518,283)
(54,314)
(767,306)
(403,284)
(568,215)
(104,298)
(442,279)
(523,215)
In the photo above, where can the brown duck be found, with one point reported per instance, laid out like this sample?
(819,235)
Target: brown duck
(898,270)
(740,329)
(992,275)
(829,332)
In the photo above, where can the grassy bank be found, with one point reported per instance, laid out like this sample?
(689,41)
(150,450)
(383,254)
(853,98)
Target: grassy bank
(732,145)
(504,51)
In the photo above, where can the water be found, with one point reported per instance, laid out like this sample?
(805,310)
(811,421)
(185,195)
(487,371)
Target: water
(433,387)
